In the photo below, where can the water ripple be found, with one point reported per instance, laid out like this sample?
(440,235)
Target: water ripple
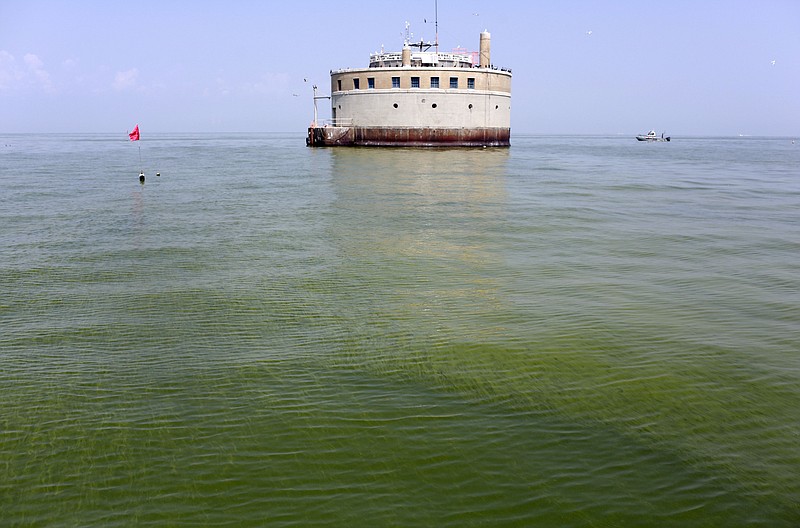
(558,334)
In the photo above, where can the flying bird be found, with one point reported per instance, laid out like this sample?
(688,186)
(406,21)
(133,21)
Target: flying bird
(772,62)
(589,32)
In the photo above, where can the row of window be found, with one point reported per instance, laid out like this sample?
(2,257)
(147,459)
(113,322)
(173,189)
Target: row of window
(434,83)
(433,105)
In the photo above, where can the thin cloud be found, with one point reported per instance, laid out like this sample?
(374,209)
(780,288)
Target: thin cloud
(10,74)
(126,80)
(38,73)
(268,84)
(31,72)
(33,61)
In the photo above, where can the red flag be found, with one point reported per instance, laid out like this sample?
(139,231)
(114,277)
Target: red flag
(135,134)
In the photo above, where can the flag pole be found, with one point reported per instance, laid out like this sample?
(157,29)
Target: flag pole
(134,136)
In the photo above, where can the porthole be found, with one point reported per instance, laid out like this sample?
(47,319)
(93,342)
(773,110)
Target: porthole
(470,106)
(496,107)
(433,105)
(395,105)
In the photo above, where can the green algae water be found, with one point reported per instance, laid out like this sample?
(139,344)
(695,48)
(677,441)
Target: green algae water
(575,331)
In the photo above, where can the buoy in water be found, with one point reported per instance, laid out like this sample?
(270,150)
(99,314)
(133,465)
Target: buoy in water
(141,177)
(158,174)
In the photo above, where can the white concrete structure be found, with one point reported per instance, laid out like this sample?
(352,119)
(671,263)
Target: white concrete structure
(420,98)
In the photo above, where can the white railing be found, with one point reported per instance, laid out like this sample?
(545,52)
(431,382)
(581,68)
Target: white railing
(339,122)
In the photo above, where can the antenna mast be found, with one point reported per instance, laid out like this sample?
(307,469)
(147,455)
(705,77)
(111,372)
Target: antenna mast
(436,22)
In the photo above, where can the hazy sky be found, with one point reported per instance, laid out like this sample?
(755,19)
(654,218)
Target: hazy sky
(694,67)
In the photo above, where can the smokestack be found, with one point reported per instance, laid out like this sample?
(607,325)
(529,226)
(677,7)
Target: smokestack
(406,54)
(486,45)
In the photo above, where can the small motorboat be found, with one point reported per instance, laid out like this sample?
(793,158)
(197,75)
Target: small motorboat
(651,136)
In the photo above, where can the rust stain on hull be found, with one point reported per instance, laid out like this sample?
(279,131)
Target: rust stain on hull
(408,137)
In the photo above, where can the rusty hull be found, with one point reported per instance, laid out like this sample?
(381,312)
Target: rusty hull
(329,136)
